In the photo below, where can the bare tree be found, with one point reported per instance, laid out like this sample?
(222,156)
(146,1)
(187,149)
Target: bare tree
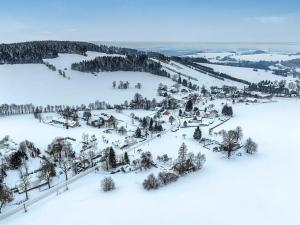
(25,181)
(171,119)
(5,195)
(47,172)
(229,142)
(65,167)
(239,133)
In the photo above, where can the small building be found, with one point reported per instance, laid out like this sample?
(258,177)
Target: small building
(104,121)
(166,113)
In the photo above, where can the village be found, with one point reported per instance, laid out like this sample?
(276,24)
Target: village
(117,139)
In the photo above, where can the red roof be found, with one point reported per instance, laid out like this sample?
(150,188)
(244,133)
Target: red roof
(166,113)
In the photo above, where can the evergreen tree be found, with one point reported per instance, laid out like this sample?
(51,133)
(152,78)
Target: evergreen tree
(112,158)
(227,110)
(180,112)
(126,158)
(189,105)
(179,80)
(144,123)
(197,134)
(171,119)
(138,133)
(182,153)
(151,124)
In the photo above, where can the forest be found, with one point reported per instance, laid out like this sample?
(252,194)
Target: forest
(140,63)
(35,51)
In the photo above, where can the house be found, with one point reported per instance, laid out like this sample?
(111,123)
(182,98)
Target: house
(166,113)
(104,120)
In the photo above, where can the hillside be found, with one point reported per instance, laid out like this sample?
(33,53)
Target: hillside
(36,84)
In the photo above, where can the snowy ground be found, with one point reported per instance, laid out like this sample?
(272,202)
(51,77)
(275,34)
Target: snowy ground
(35,83)
(201,78)
(65,60)
(248,74)
(259,189)
(216,56)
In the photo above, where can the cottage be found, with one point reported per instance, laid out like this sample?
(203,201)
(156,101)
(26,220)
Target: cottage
(166,113)
(104,121)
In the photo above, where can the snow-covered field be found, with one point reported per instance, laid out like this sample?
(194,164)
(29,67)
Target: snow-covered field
(202,78)
(248,74)
(259,189)
(266,57)
(216,56)
(35,83)
(65,60)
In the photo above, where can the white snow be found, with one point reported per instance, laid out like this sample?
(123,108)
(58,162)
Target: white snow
(266,57)
(202,78)
(65,60)
(247,74)
(216,56)
(211,55)
(259,189)
(35,83)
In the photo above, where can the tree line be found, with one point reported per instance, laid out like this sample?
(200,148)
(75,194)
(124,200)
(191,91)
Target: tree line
(36,51)
(140,63)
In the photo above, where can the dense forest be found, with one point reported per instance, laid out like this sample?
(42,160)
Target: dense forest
(276,87)
(35,51)
(139,62)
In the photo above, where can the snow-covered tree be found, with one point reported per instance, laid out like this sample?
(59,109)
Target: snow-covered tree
(189,105)
(171,119)
(108,184)
(6,196)
(197,134)
(151,182)
(227,110)
(230,140)
(24,180)
(146,161)
(250,146)
(126,158)
(112,158)
(167,177)
(47,172)
(182,153)
(138,133)
(239,133)
(187,162)
(65,167)
(122,130)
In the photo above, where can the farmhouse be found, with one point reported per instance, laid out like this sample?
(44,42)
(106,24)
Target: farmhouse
(104,120)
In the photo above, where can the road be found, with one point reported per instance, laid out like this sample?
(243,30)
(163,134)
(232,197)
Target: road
(62,185)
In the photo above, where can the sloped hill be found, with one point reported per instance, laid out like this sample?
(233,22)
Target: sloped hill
(200,78)
(35,83)
(248,74)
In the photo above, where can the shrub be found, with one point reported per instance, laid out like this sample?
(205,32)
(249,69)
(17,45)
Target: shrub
(164,158)
(166,177)
(107,184)
(227,110)
(250,146)
(151,182)
(146,161)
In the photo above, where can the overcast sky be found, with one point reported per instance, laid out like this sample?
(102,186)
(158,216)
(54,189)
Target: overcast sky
(151,20)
